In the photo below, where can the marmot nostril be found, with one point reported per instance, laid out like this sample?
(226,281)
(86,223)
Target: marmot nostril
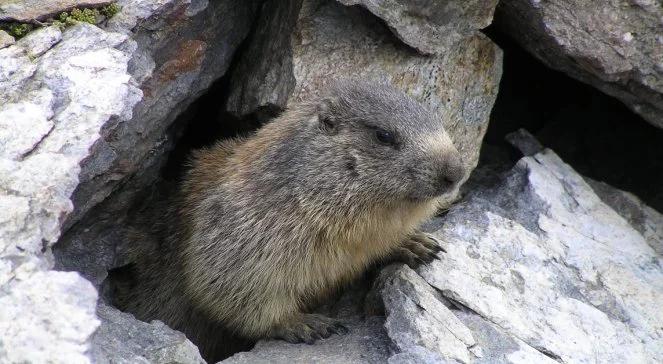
(452,172)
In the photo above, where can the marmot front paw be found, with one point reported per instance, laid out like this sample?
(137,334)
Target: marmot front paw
(308,328)
(420,248)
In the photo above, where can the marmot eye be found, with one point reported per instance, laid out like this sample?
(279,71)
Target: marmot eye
(385,137)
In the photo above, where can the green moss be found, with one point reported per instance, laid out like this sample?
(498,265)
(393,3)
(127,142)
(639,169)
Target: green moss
(18,30)
(110,10)
(65,19)
(79,15)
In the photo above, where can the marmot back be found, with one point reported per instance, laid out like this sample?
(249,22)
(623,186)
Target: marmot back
(264,226)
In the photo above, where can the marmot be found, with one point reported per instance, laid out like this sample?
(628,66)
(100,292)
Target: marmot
(264,226)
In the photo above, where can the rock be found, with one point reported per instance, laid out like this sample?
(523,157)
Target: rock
(431,26)
(642,218)
(365,343)
(123,339)
(612,46)
(264,80)
(81,110)
(39,41)
(525,142)
(176,57)
(26,11)
(416,318)
(5,39)
(330,41)
(539,266)
(45,316)
(426,327)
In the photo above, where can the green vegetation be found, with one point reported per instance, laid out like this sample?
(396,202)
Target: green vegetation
(78,15)
(65,19)
(110,10)
(18,30)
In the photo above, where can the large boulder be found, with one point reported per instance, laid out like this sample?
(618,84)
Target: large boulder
(322,40)
(545,262)
(431,26)
(81,110)
(615,46)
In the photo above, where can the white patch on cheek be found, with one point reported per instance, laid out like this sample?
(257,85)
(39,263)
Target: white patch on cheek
(433,143)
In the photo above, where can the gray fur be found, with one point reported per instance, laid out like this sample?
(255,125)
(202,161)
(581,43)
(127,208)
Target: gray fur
(264,227)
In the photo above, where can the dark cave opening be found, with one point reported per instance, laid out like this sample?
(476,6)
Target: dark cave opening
(593,132)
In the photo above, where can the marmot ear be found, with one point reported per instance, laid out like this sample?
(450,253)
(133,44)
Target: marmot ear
(328,122)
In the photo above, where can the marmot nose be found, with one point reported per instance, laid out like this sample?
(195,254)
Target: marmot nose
(452,171)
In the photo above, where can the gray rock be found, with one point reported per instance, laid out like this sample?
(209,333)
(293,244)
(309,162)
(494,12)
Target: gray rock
(26,11)
(46,316)
(418,355)
(642,218)
(416,318)
(425,327)
(80,111)
(61,101)
(123,339)
(365,343)
(431,26)
(173,69)
(525,142)
(263,80)
(39,41)
(330,41)
(613,46)
(554,268)
(5,39)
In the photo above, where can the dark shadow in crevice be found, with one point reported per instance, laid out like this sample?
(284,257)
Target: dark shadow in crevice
(595,133)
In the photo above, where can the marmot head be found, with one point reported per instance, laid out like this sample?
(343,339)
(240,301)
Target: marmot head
(386,142)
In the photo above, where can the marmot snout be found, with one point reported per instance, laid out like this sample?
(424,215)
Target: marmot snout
(264,226)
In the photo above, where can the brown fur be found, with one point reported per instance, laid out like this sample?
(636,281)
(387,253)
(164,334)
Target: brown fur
(265,226)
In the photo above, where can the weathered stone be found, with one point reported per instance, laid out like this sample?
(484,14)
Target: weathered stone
(80,111)
(546,261)
(642,218)
(39,41)
(365,343)
(45,316)
(123,339)
(263,79)
(426,327)
(614,46)
(5,39)
(30,10)
(431,26)
(177,56)
(331,41)
(416,318)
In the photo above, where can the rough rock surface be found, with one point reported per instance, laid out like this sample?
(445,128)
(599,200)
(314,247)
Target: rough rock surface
(176,57)
(81,110)
(615,46)
(29,10)
(330,41)
(550,266)
(127,340)
(59,102)
(431,26)
(5,39)
(46,317)
(366,343)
